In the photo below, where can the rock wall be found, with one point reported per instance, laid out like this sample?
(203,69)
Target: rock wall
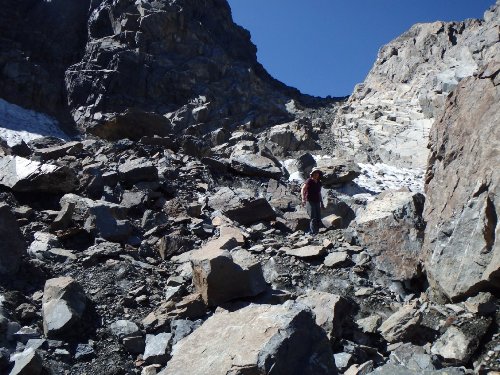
(388,117)
(461,248)
(132,68)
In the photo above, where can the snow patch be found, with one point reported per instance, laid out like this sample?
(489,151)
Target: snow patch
(20,124)
(374,178)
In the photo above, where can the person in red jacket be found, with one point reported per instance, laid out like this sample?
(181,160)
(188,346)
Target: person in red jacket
(311,198)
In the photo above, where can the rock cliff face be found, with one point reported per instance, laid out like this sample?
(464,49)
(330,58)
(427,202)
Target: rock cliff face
(388,117)
(132,68)
(462,248)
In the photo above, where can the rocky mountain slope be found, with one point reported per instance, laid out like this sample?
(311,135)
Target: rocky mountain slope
(167,237)
(389,115)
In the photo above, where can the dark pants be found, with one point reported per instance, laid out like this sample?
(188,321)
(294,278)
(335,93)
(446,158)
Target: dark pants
(314,212)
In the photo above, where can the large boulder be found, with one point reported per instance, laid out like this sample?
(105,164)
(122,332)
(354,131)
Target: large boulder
(100,218)
(240,207)
(391,227)
(337,171)
(24,175)
(63,306)
(249,159)
(330,310)
(220,275)
(12,245)
(257,339)
(462,246)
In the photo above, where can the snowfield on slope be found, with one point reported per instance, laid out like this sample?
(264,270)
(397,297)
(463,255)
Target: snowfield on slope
(20,124)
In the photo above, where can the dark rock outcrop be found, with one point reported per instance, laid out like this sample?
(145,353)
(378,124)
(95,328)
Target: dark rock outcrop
(12,246)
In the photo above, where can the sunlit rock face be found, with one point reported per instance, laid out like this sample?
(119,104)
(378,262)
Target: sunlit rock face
(388,117)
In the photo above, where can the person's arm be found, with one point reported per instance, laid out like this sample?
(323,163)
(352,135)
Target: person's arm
(303,192)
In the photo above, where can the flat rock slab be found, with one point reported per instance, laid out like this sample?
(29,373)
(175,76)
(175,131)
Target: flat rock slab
(309,251)
(254,340)
(336,259)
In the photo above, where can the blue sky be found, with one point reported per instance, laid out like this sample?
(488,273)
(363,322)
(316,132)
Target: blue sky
(325,47)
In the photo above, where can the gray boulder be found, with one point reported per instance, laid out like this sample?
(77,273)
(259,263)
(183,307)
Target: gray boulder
(401,325)
(255,339)
(330,311)
(337,171)
(63,307)
(255,164)
(240,207)
(100,218)
(12,245)
(391,227)
(391,369)
(20,174)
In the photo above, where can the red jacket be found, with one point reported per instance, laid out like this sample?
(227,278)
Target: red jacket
(312,190)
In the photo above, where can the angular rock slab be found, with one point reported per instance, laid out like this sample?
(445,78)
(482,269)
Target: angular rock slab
(251,164)
(330,310)
(20,174)
(28,362)
(401,325)
(254,340)
(136,170)
(337,171)
(220,275)
(392,229)
(457,345)
(309,251)
(240,207)
(12,245)
(63,307)
(462,246)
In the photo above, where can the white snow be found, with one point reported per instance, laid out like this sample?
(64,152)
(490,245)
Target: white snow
(374,178)
(17,123)
(379,177)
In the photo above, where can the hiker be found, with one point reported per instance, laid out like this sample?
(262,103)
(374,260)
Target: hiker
(311,198)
